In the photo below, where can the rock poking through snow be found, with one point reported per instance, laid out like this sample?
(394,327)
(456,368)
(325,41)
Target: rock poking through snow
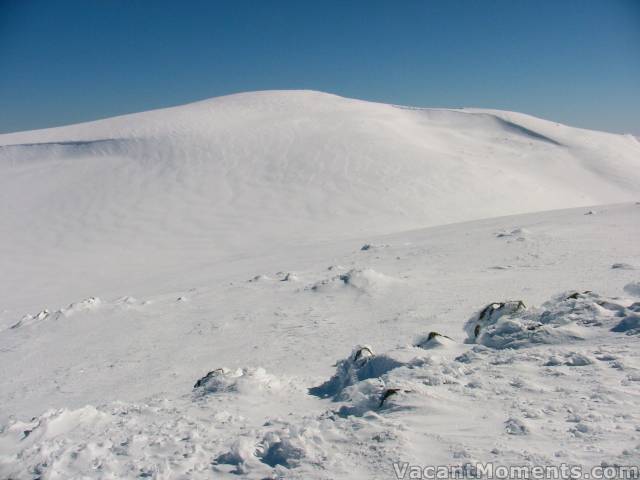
(566,318)
(241,380)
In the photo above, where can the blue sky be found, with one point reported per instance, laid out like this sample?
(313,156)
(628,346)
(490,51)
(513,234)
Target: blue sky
(573,61)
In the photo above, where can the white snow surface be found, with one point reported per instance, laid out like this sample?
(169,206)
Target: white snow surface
(300,248)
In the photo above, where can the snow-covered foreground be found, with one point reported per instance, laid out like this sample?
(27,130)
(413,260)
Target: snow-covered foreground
(244,288)
(109,382)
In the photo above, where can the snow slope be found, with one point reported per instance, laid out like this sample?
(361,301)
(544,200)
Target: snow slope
(170,190)
(104,388)
(251,244)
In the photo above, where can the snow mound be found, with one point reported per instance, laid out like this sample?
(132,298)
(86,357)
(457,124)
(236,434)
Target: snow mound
(360,365)
(434,340)
(565,318)
(287,277)
(86,305)
(364,383)
(633,288)
(514,426)
(128,302)
(518,234)
(241,380)
(285,447)
(363,281)
(490,315)
(569,359)
(161,439)
(622,266)
(89,304)
(370,246)
(51,444)
(31,319)
(630,324)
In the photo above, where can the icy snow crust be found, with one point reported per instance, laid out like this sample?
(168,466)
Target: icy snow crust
(227,289)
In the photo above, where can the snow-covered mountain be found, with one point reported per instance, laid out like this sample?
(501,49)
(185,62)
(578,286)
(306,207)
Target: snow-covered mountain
(178,187)
(185,293)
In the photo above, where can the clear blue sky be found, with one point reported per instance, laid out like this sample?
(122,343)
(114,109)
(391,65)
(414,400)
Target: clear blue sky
(574,61)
